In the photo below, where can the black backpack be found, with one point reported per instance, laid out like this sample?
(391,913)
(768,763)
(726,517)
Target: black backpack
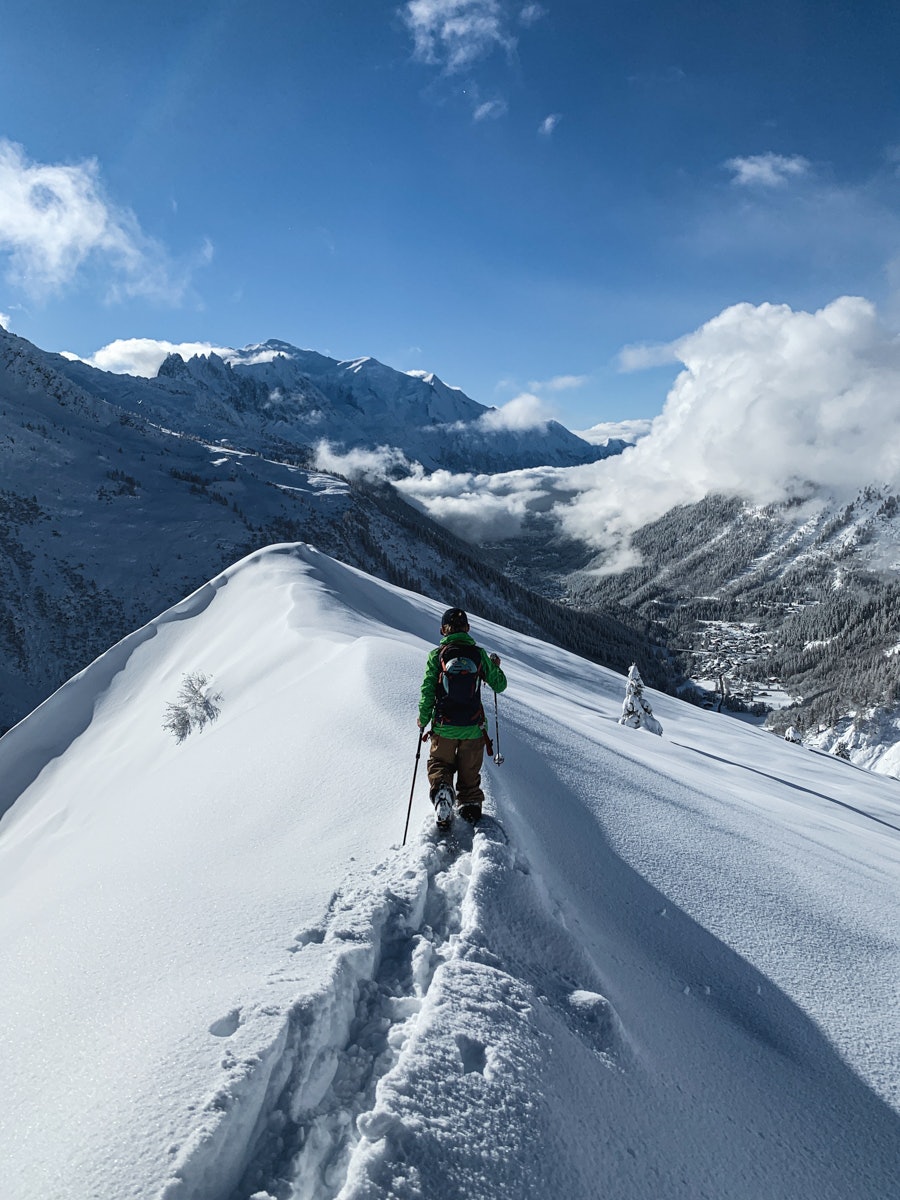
(458,688)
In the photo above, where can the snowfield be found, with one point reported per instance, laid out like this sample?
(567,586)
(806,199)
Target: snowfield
(660,967)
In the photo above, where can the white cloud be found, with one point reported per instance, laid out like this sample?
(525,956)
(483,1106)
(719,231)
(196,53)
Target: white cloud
(522,412)
(549,123)
(481,508)
(380,463)
(559,383)
(143,356)
(55,219)
(456,33)
(768,400)
(490,110)
(767,170)
(643,357)
(5,320)
(630,430)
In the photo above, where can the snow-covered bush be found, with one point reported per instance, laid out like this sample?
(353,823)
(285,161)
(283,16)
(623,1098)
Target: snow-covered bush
(197,705)
(792,734)
(636,710)
(841,750)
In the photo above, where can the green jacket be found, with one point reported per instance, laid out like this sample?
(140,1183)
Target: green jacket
(492,674)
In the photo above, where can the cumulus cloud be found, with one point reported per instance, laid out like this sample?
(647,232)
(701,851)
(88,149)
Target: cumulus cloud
(454,34)
(55,220)
(767,170)
(547,126)
(143,356)
(522,412)
(4,320)
(769,401)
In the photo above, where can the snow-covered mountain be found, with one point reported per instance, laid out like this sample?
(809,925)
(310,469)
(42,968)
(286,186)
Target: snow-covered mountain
(274,397)
(662,967)
(108,516)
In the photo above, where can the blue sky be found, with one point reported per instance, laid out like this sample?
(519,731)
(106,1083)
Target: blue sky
(508,194)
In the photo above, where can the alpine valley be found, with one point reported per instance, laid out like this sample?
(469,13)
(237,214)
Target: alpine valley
(119,495)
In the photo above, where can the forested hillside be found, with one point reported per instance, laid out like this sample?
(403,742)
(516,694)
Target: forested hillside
(818,580)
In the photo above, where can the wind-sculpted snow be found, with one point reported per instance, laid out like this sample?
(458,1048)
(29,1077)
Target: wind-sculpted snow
(661,968)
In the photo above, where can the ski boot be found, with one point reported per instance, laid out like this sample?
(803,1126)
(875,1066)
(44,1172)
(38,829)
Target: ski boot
(444,801)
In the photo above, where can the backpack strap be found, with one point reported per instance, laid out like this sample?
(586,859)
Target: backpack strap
(448,651)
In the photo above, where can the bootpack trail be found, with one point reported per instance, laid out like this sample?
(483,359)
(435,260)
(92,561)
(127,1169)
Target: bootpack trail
(330,1107)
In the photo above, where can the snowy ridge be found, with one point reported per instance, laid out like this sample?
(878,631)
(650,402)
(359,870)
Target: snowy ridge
(664,967)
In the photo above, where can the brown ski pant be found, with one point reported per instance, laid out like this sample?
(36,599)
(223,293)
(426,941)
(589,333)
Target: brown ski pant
(462,756)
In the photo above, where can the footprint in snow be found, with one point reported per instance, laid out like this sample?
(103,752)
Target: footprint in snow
(472,1053)
(312,935)
(227,1025)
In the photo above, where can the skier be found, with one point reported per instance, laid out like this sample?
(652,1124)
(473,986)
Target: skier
(451,699)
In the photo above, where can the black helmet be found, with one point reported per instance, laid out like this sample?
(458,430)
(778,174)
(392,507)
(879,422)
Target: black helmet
(455,620)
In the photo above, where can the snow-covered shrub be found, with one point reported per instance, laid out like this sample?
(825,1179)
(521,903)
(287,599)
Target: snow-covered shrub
(197,705)
(636,710)
(792,734)
(841,750)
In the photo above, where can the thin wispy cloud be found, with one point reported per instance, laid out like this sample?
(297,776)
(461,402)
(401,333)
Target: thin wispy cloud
(767,170)
(56,221)
(644,356)
(491,110)
(549,124)
(532,13)
(454,34)
(798,222)
(559,383)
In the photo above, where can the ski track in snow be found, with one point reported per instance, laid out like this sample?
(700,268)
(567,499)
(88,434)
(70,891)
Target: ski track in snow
(316,1112)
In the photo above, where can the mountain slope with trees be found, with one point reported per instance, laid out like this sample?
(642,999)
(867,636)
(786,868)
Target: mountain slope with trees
(815,581)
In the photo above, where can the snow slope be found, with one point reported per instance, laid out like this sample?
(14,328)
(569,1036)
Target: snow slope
(662,967)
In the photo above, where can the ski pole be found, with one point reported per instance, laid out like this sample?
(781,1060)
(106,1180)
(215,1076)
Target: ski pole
(419,740)
(498,757)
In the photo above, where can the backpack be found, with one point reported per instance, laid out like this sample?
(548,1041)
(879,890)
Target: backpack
(458,687)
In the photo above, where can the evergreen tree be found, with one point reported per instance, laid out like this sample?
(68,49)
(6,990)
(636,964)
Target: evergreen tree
(636,710)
